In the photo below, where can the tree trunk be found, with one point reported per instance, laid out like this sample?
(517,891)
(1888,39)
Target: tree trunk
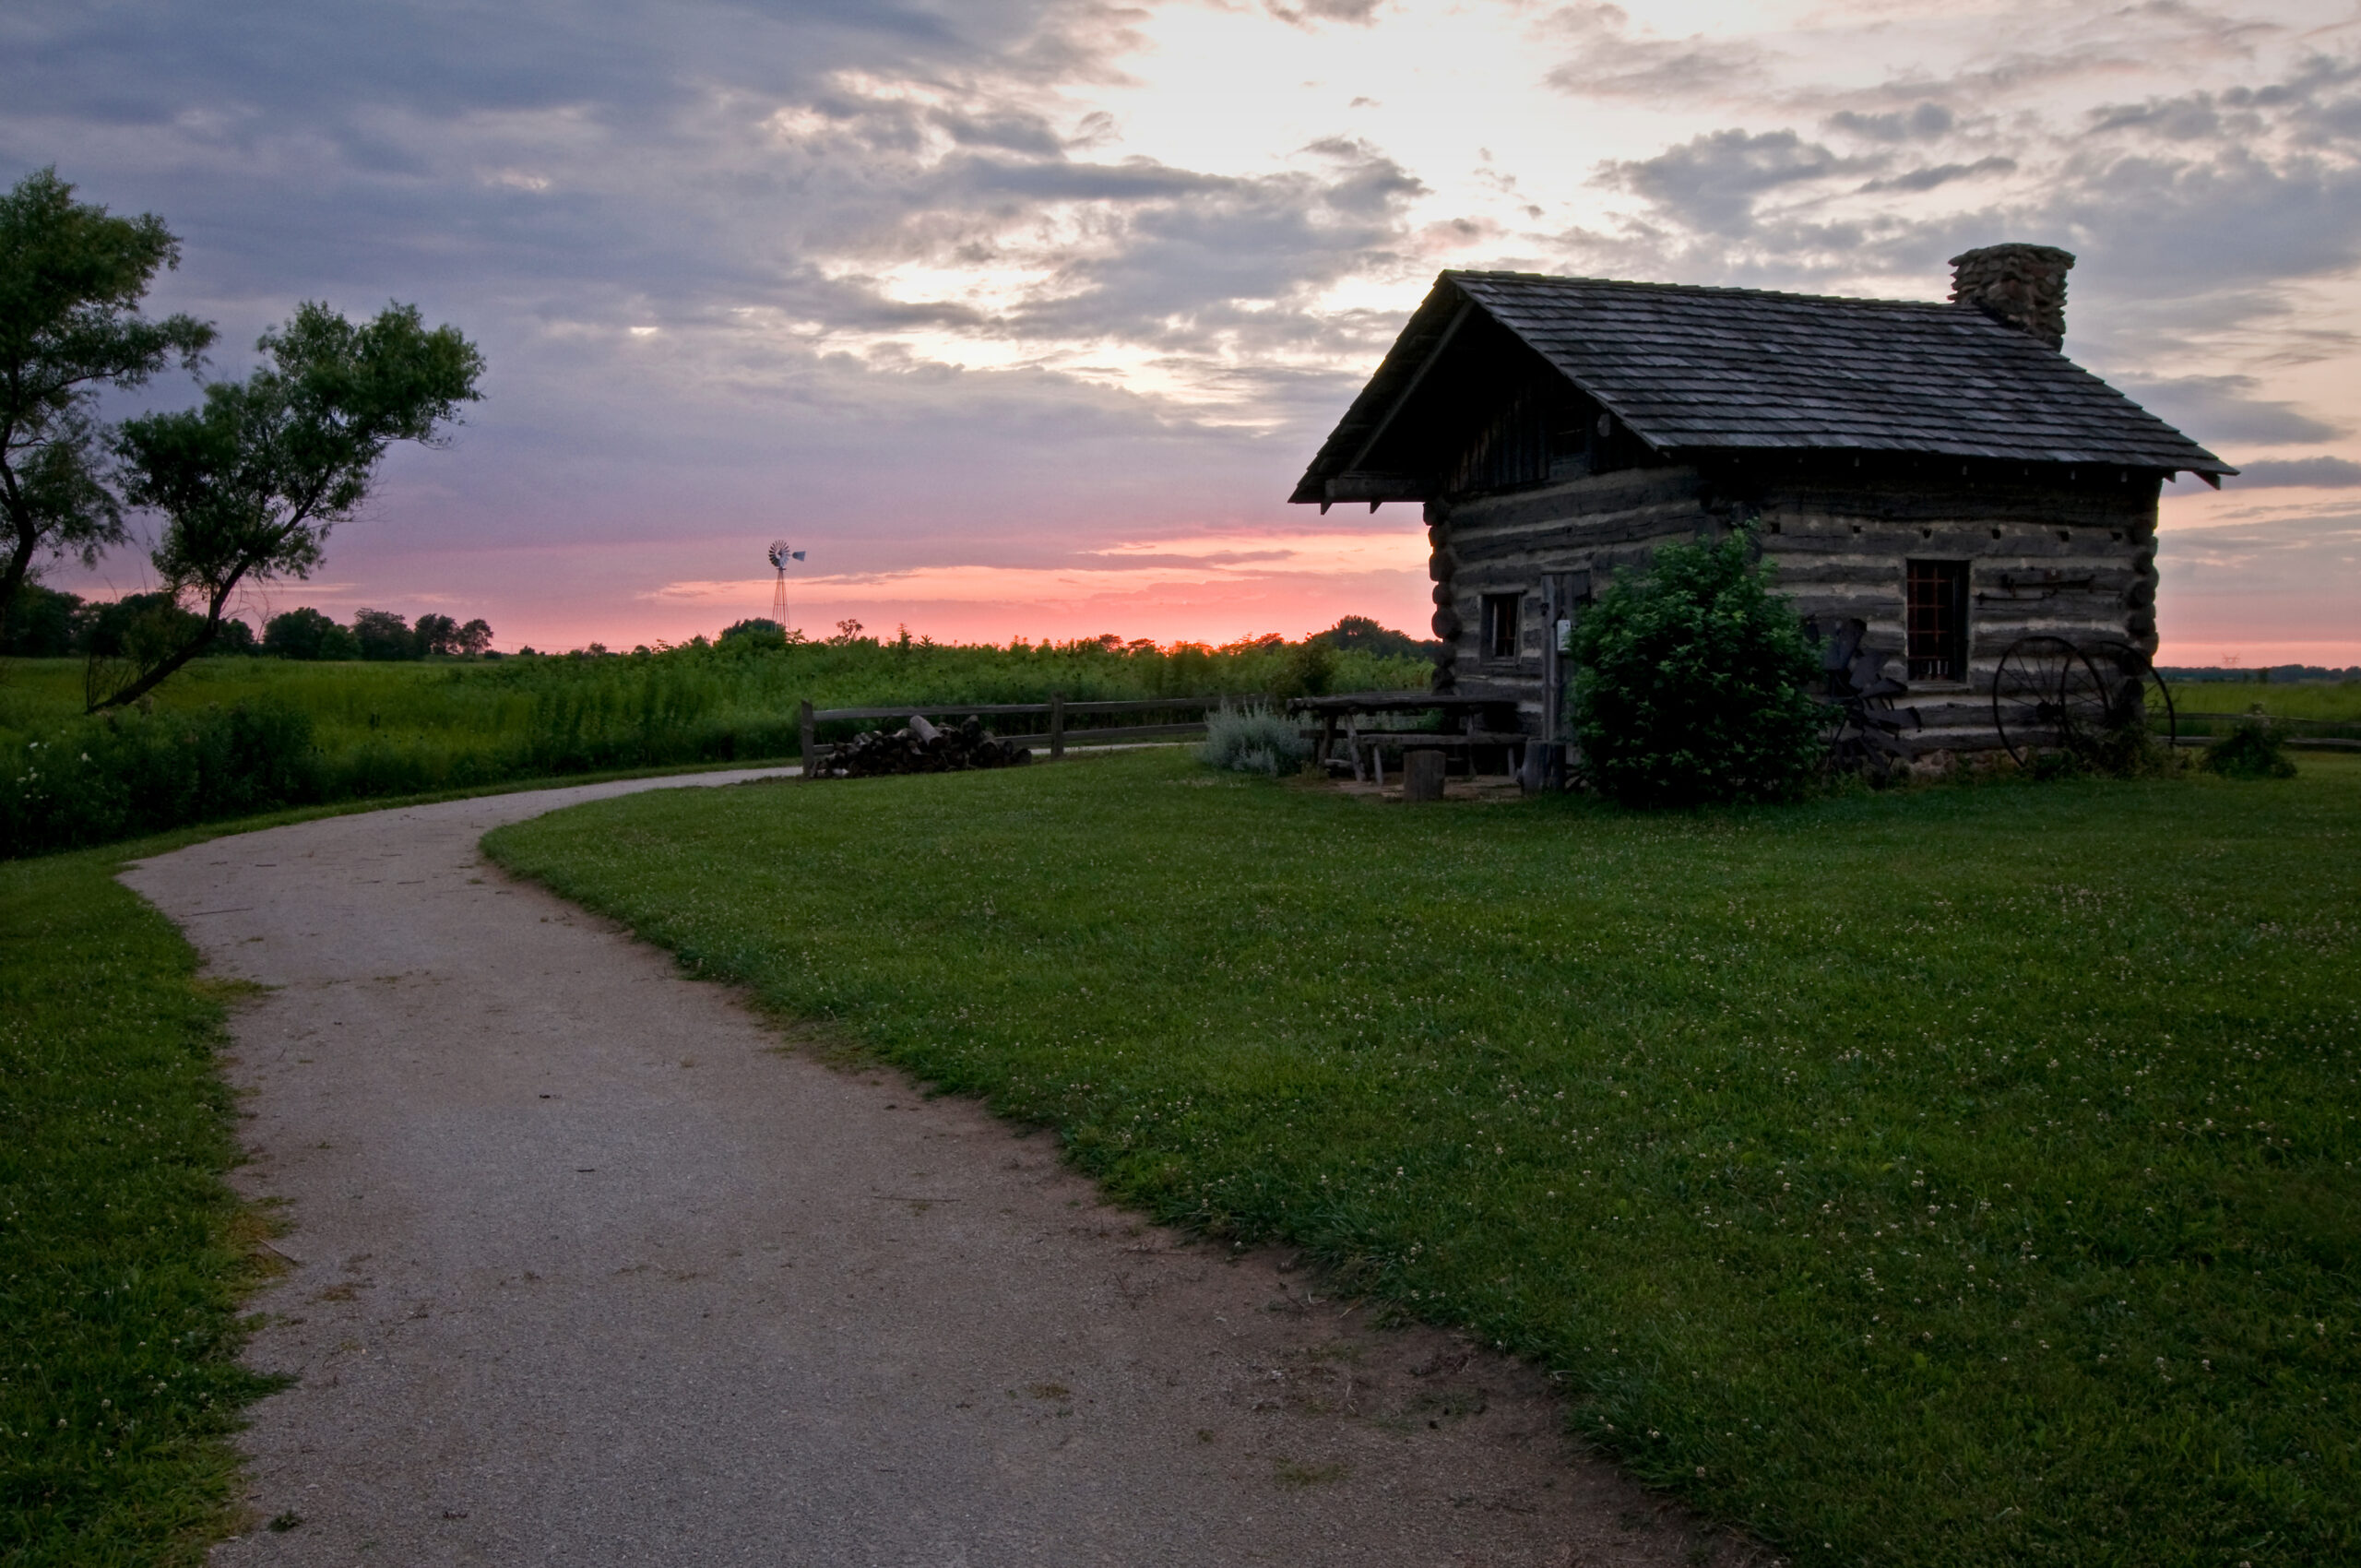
(20,566)
(157,673)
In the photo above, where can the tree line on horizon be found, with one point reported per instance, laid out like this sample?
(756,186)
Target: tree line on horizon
(1351,634)
(50,623)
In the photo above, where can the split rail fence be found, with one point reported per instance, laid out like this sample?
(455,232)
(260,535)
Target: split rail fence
(1057,715)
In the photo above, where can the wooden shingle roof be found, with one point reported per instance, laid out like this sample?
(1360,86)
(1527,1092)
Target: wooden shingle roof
(1694,370)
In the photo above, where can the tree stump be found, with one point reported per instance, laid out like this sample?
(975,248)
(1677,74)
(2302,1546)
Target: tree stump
(1422,775)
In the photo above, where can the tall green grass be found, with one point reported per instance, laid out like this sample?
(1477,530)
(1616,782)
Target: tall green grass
(342,731)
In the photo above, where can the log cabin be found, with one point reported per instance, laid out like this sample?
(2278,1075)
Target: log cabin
(1937,470)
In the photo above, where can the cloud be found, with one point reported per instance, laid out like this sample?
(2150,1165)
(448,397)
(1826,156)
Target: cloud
(1710,182)
(2309,95)
(1608,62)
(2194,215)
(2299,551)
(1922,122)
(1359,13)
(1928,177)
(2224,409)
(2312,473)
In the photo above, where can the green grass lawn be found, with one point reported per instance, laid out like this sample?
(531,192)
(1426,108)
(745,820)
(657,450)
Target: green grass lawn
(1954,1176)
(123,1255)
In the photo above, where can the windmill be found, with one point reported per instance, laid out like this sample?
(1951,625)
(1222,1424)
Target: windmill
(780,556)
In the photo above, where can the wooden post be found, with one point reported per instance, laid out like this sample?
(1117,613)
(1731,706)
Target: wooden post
(1056,725)
(1422,774)
(808,743)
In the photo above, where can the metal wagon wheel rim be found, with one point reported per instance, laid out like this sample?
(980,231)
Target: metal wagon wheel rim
(2156,709)
(2044,687)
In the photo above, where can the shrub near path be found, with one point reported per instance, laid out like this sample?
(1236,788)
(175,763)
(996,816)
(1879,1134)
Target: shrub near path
(1950,1176)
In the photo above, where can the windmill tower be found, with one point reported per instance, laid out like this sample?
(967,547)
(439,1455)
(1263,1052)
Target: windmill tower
(780,556)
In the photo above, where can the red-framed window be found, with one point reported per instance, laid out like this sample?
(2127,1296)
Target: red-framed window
(1937,606)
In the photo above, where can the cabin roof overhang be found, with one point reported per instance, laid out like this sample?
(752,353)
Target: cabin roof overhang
(1695,373)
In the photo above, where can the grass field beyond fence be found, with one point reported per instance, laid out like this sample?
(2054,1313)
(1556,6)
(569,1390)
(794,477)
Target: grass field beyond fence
(1956,1176)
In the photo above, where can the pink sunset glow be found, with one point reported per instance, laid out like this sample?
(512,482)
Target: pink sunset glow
(1023,321)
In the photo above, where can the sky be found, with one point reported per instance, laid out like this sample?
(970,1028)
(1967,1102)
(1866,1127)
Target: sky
(1021,317)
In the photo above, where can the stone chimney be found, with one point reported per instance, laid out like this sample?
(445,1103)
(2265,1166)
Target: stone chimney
(2016,285)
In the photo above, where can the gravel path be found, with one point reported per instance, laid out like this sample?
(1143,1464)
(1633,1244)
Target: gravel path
(591,1266)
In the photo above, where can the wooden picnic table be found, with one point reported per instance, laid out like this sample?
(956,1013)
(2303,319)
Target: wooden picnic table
(1351,706)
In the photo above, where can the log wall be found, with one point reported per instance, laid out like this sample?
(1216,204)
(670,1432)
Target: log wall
(2075,558)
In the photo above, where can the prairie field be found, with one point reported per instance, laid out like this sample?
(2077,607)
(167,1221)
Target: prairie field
(1953,1175)
(2328,708)
(230,737)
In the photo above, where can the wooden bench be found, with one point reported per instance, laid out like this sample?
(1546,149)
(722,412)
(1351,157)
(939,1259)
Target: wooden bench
(1374,743)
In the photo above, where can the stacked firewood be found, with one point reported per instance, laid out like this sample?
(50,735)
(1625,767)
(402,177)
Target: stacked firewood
(919,747)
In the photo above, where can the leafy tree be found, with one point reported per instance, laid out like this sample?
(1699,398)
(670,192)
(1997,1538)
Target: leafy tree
(120,628)
(307,633)
(40,622)
(441,636)
(1358,634)
(759,629)
(122,637)
(71,279)
(251,483)
(1693,683)
(1310,668)
(383,635)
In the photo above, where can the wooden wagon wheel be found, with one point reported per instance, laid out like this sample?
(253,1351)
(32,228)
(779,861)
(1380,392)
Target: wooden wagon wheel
(2046,696)
(2136,694)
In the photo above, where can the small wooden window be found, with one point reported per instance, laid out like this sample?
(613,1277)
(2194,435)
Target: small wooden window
(1938,619)
(1501,640)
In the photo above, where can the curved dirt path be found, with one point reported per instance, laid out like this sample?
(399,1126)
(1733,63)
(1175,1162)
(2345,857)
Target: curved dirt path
(587,1270)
